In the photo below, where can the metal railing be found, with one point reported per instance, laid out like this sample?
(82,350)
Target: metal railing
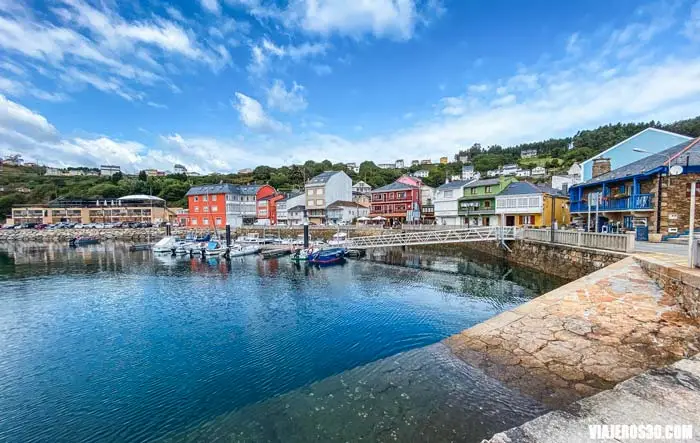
(463,235)
(631,203)
(594,240)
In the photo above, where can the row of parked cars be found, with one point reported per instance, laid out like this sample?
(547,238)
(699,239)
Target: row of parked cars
(68,225)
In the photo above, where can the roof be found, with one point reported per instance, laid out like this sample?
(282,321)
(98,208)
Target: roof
(484,182)
(632,137)
(322,177)
(296,208)
(519,188)
(341,203)
(291,196)
(224,188)
(395,186)
(467,167)
(651,162)
(140,197)
(456,184)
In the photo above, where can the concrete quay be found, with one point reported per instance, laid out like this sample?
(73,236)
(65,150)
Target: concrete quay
(584,337)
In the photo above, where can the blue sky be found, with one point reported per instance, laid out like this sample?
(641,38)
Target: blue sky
(219,85)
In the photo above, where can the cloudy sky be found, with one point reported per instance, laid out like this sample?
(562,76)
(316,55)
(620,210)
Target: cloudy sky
(219,85)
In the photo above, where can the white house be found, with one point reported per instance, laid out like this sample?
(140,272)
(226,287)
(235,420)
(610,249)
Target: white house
(386,165)
(538,171)
(361,187)
(468,173)
(492,173)
(294,199)
(422,173)
(109,170)
(295,215)
(179,169)
(53,171)
(399,164)
(446,202)
(528,153)
(523,173)
(345,211)
(564,182)
(509,170)
(324,189)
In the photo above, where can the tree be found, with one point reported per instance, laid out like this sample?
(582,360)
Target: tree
(143,176)
(116,177)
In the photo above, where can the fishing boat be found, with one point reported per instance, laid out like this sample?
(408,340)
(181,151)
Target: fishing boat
(330,256)
(83,240)
(303,254)
(213,247)
(338,239)
(252,237)
(191,238)
(165,245)
(241,250)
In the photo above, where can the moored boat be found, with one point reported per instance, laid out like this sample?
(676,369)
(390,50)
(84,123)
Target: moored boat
(165,245)
(330,256)
(83,240)
(213,248)
(241,250)
(338,239)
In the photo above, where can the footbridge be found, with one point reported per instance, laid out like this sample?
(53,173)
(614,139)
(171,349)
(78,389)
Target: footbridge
(431,237)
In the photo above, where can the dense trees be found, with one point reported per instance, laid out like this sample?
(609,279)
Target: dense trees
(552,153)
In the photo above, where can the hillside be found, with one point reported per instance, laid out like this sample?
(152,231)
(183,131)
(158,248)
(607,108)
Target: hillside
(553,154)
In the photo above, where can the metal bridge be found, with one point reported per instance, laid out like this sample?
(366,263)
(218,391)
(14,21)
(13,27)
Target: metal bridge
(431,237)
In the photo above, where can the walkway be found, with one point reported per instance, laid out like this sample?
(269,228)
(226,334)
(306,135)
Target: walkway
(583,337)
(662,248)
(463,235)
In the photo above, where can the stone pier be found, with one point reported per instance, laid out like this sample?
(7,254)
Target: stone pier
(584,337)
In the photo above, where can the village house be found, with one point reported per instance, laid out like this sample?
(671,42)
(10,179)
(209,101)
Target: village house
(477,204)
(341,212)
(528,153)
(179,169)
(324,189)
(444,160)
(415,162)
(295,215)
(509,170)
(427,194)
(446,202)
(109,170)
(399,164)
(361,187)
(292,200)
(468,173)
(525,204)
(396,201)
(523,173)
(538,171)
(421,173)
(651,195)
(266,209)
(386,165)
(222,204)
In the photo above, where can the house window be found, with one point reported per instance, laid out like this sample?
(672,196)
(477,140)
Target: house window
(319,191)
(214,209)
(310,192)
(319,202)
(621,190)
(527,219)
(534,202)
(205,198)
(487,204)
(213,198)
(400,195)
(205,221)
(196,209)
(448,194)
(218,221)
(196,198)
(487,189)
(522,202)
(206,209)
(473,191)
(193,222)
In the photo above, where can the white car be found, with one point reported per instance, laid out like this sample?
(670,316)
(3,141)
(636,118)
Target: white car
(79,226)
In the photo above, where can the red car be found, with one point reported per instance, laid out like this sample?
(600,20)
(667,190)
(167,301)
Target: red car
(41,226)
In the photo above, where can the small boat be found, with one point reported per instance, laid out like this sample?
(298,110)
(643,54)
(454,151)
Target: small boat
(303,254)
(240,250)
(83,240)
(141,247)
(165,245)
(213,247)
(252,237)
(330,256)
(338,239)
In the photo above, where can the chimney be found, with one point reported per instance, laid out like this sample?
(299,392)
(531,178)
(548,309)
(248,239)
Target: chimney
(600,166)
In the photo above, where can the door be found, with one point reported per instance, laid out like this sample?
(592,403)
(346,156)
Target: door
(642,233)
(510,220)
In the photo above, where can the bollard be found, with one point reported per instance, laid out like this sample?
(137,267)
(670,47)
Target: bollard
(228,236)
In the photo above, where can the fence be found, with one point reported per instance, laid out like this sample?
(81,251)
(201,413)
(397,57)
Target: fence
(611,242)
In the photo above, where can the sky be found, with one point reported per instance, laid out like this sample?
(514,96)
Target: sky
(220,85)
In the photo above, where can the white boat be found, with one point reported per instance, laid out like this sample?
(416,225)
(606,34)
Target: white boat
(240,250)
(214,248)
(338,239)
(252,237)
(165,245)
(188,247)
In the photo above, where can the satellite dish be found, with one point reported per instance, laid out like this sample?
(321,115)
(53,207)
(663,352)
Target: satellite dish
(676,170)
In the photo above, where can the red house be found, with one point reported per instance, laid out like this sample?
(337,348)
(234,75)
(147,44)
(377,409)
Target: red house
(267,209)
(395,202)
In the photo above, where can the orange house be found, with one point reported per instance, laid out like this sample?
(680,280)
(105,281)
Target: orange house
(207,205)
(267,209)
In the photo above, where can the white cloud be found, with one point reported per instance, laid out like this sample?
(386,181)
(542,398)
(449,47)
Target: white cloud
(252,114)
(503,101)
(212,6)
(286,100)
(475,89)
(322,70)
(264,51)
(692,24)
(157,105)
(573,45)
(14,116)
(18,88)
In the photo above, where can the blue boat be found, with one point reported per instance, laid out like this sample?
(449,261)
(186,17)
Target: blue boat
(330,256)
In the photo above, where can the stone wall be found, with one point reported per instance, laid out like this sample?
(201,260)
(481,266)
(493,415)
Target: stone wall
(679,283)
(567,262)
(675,203)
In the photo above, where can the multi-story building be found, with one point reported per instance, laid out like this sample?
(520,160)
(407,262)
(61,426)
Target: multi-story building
(154,172)
(468,173)
(563,182)
(426,162)
(509,170)
(219,205)
(292,200)
(477,206)
(446,202)
(397,202)
(324,189)
(528,153)
(179,169)
(386,165)
(650,195)
(525,204)
(523,173)
(444,160)
(130,208)
(362,198)
(538,171)
(399,164)
(345,212)
(415,162)
(361,187)
(295,215)
(267,209)
(421,173)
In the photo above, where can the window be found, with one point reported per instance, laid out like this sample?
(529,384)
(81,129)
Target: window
(213,198)
(473,191)
(448,194)
(310,192)
(193,222)
(487,204)
(218,221)
(196,198)
(400,195)
(511,203)
(196,209)
(622,189)
(205,198)
(319,191)
(487,189)
(206,209)
(534,202)
(205,221)
(319,202)
(214,209)
(522,202)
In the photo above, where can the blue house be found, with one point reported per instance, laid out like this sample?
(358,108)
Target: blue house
(650,141)
(640,193)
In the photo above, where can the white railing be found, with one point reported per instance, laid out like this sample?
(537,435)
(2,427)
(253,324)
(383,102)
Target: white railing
(610,242)
(486,233)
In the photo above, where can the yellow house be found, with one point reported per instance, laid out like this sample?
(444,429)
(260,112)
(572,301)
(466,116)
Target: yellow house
(525,204)
(444,160)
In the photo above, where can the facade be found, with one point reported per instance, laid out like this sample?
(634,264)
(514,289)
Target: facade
(575,171)
(426,162)
(295,215)
(415,162)
(641,194)
(179,169)
(266,209)
(399,164)
(523,173)
(396,202)
(468,173)
(345,212)
(564,182)
(525,204)
(362,198)
(386,165)
(219,205)
(538,171)
(444,160)
(53,171)
(294,199)
(421,173)
(361,187)
(509,170)
(131,208)
(446,203)
(528,153)
(154,172)
(326,188)
(650,140)
(245,171)
(477,204)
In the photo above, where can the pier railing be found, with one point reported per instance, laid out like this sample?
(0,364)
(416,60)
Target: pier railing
(594,240)
(462,235)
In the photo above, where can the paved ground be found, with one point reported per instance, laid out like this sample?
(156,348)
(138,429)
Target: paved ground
(662,248)
(583,337)
(668,396)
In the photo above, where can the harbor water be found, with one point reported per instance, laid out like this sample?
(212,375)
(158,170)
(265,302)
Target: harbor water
(102,344)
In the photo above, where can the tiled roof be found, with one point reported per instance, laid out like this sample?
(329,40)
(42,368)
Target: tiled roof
(396,186)
(518,188)
(224,188)
(291,196)
(341,203)
(652,162)
(322,177)
(296,208)
(456,184)
(485,182)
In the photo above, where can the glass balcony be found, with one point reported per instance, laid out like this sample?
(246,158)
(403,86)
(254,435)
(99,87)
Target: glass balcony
(638,202)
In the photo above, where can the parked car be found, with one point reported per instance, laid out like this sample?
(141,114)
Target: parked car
(41,226)
(79,226)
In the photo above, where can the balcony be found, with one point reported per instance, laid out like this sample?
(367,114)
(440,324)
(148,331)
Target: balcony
(639,202)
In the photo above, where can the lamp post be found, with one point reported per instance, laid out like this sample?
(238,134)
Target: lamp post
(668,158)
(691,226)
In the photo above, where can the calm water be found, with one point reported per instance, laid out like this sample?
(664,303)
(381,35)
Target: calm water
(100,344)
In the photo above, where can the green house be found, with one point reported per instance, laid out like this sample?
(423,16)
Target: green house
(478,205)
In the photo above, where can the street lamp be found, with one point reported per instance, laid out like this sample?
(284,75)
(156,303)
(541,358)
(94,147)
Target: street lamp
(668,157)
